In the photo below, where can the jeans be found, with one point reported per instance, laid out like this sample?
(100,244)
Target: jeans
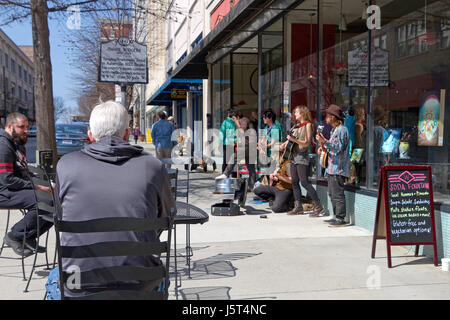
(281,198)
(299,173)
(24,199)
(337,195)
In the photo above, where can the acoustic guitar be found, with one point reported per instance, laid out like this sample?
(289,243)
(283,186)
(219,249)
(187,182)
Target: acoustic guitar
(323,158)
(287,154)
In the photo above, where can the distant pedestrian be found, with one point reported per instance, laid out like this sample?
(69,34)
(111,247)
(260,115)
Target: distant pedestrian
(136,133)
(338,162)
(162,137)
(228,140)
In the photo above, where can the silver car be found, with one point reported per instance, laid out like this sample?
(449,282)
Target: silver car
(71,137)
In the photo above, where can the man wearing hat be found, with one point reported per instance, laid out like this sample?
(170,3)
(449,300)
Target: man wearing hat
(338,168)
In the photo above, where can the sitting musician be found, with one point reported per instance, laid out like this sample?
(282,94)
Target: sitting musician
(279,190)
(301,136)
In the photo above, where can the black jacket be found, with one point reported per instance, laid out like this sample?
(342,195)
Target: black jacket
(12,164)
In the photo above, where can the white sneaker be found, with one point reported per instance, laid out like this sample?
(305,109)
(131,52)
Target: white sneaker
(222,176)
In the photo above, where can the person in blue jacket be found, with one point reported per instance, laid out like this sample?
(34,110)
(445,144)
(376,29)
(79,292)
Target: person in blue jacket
(162,136)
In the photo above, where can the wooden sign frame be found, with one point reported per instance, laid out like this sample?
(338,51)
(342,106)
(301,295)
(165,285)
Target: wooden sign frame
(382,222)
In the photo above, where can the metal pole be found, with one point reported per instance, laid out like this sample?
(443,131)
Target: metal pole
(370,157)
(123,94)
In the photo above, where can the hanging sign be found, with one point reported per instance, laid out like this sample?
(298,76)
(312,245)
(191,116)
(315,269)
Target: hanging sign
(405,209)
(178,93)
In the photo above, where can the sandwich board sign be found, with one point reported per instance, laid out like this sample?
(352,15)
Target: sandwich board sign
(405,209)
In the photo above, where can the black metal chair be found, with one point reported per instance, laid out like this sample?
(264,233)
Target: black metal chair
(23,211)
(38,176)
(120,248)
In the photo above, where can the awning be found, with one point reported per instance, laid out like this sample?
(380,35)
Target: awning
(231,32)
(162,96)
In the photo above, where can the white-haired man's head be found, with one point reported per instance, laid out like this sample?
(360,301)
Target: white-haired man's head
(109,119)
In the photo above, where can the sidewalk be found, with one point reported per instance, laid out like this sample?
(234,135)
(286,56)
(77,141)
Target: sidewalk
(278,257)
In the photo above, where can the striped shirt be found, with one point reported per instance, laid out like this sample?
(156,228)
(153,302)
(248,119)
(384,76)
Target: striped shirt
(338,152)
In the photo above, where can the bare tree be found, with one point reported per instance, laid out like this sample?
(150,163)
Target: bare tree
(60,108)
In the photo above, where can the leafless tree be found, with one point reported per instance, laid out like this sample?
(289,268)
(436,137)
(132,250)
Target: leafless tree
(39,10)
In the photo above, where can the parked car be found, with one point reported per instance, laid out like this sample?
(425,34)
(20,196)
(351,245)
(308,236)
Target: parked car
(71,137)
(32,131)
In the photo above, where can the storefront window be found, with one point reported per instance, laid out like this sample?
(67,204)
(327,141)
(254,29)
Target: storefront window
(272,68)
(411,125)
(221,91)
(245,80)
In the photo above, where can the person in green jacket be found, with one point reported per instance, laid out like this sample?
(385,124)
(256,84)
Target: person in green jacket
(228,140)
(272,132)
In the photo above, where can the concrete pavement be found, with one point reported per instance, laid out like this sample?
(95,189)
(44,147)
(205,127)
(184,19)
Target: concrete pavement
(278,257)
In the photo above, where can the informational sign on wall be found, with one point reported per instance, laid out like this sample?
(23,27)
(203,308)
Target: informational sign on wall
(358,68)
(123,61)
(405,209)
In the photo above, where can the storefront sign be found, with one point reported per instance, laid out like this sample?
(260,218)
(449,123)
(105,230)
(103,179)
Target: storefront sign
(405,209)
(358,68)
(123,61)
(178,93)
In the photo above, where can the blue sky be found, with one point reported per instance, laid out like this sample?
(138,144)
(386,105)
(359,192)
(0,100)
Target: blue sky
(21,34)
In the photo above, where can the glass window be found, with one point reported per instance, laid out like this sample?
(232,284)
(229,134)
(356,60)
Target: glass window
(20,72)
(412,39)
(6,60)
(444,28)
(13,66)
(410,115)
(221,91)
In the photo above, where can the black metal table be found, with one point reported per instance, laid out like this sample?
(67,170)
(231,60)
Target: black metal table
(186,214)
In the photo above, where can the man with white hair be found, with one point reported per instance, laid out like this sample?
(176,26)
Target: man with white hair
(111,178)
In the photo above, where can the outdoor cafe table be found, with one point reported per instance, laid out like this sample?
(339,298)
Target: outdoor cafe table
(186,214)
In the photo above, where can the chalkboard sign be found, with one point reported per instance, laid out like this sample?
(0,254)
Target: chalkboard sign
(405,210)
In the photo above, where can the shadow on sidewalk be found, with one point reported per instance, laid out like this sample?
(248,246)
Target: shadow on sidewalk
(206,293)
(214,267)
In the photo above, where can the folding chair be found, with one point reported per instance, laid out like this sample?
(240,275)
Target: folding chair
(38,176)
(116,248)
(23,211)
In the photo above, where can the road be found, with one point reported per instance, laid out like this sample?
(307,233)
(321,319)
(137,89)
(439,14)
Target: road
(31,149)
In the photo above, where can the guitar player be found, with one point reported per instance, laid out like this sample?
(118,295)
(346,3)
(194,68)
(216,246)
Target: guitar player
(338,167)
(301,139)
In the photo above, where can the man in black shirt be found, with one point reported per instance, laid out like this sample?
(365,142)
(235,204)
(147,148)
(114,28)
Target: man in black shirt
(15,189)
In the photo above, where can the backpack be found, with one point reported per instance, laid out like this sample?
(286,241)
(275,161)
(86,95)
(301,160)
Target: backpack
(52,285)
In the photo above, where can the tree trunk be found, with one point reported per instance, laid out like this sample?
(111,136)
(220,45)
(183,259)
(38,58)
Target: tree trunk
(43,87)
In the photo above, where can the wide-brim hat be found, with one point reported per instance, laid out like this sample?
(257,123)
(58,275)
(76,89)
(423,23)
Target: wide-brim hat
(335,111)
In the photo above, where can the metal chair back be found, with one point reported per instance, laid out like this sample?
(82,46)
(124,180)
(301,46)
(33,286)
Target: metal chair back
(112,249)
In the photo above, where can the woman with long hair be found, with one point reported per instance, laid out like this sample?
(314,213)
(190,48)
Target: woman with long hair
(302,137)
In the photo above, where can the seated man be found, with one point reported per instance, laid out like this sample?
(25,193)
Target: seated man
(15,188)
(111,178)
(280,192)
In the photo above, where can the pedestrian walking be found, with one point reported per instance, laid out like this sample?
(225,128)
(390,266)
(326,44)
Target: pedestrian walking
(136,133)
(162,137)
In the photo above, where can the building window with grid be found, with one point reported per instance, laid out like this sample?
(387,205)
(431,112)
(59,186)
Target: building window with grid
(444,30)
(380,42)
(13,66)
(411,39)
